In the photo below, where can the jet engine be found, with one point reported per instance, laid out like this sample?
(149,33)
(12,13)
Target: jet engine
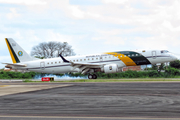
(111,68)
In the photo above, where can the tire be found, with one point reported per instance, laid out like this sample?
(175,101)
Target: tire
(90,76)
(94,76)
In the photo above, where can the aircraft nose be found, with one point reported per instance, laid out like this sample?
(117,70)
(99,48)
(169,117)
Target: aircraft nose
(174,57)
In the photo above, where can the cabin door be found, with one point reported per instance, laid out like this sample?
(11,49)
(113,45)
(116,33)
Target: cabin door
(42,65)
(154,54)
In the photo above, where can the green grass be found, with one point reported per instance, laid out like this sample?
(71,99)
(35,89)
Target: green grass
(27,80)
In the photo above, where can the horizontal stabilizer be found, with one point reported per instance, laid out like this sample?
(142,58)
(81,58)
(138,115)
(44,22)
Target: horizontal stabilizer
(16,65)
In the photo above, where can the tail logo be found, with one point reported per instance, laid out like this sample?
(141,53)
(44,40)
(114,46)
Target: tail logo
(20,53)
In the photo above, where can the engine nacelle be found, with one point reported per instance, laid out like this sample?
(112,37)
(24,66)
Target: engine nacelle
(111,68)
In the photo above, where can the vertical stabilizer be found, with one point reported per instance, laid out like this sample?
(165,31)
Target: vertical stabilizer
(17,53)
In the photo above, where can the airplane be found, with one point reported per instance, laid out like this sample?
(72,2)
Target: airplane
(108,62)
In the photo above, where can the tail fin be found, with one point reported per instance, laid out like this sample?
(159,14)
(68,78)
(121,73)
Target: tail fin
(17,53)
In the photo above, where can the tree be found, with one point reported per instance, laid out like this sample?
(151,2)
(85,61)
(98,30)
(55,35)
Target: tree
(175,64)
(51,50)
(162,66)
(154,67)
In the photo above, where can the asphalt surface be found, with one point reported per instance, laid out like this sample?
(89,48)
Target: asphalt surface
(95,101)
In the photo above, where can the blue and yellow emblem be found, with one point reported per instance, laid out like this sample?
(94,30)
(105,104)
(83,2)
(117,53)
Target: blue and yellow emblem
(20,53)
(110,67)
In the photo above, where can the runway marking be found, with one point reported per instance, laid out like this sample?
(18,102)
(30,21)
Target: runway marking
(129,118)
(4,85)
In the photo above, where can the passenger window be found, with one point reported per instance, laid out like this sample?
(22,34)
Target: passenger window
(81,60)
(88,59)
(92,58)
(96,58)
(129,55)
(59,61)
(136,54)
(132,54)
(84,59)
(48,63)
(74,60)
(77,60)
(55,62)
(51,62)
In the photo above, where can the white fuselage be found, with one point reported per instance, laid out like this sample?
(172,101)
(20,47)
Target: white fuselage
(121,58)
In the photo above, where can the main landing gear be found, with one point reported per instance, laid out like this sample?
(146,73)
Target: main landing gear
(94,76)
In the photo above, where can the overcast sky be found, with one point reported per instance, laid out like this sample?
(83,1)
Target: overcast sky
(91,26)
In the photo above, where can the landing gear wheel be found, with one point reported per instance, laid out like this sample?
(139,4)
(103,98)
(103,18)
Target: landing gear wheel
(94,76)
(90,76)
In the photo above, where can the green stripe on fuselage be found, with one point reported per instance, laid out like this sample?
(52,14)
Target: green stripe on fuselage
(138,58)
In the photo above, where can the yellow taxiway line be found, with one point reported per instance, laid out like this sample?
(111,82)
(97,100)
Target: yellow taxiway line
(4,85)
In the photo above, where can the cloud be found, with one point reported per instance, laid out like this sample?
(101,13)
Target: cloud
(115,1)
(85,2)
(111,40)
(25,2)
(13,13)
(4,59)
(99,26)
(76,12)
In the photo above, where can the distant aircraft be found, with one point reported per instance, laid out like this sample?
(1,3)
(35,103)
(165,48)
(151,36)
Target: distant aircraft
(109,62)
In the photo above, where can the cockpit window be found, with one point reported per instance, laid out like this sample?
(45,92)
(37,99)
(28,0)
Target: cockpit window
(164,51)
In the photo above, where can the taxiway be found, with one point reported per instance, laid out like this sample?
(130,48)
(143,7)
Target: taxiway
(127,101)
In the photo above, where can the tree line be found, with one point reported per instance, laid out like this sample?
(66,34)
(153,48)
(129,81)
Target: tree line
(17,75)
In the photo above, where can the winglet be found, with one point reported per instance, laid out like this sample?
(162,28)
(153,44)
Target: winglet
(63,58)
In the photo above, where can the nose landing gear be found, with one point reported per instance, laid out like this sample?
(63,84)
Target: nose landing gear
(94,76)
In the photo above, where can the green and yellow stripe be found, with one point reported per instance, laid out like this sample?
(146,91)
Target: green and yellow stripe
(130,58)
(125,59)
(12,53)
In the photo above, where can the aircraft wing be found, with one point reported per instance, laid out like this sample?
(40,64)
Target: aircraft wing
(83,67)
(15,65)
(87,64)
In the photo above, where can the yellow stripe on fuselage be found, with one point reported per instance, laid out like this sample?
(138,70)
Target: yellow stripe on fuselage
(10,51)
(126,60)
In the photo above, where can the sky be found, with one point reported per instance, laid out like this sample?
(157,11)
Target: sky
(91,26)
